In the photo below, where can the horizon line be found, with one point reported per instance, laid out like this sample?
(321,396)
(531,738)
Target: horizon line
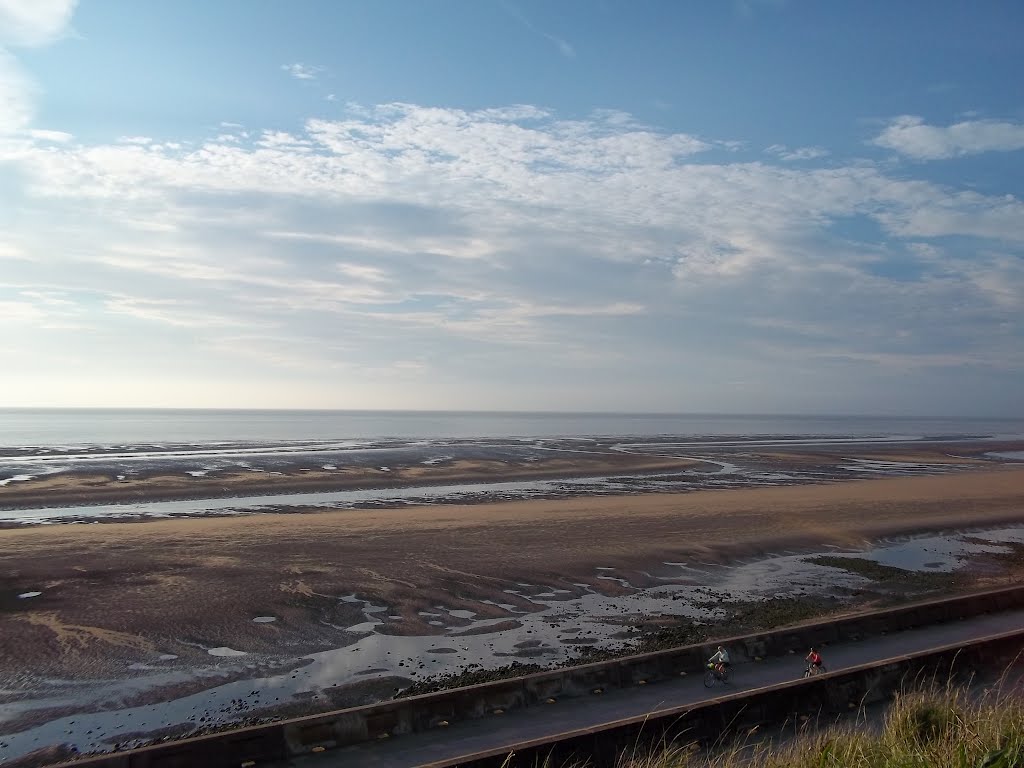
(509,412)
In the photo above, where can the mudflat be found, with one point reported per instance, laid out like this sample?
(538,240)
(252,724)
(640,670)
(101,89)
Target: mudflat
(114,592)
(99,477)
(84,487)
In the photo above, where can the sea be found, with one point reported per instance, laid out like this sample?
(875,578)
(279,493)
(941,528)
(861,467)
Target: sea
(83,427)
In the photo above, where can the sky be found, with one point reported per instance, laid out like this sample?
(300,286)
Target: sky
(729,206)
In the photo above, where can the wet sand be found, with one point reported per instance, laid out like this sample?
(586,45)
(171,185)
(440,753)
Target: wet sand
(117,593)
(94,477)
(82,487)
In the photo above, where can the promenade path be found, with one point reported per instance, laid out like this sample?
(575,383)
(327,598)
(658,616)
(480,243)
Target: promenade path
(545,721)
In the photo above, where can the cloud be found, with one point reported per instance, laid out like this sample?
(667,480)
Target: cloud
(19,312)
(168,312)
(12,252)
(59,137)
(282,140)
(28,23)
(25,23)
(408,244)
(563,46)
(16,92)
(911,136)
(485,244)
(801,153)
(303,71)
(605,174)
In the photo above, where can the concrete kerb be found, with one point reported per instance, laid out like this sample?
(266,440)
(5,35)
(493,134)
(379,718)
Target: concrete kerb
(417,713)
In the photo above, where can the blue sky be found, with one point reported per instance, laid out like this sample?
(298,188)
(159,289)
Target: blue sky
(735,206)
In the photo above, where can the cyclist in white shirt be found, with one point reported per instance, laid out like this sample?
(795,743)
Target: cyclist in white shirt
(720,660)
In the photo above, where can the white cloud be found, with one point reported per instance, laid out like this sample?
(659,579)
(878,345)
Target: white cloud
(284,140)
(604,174)
(492,242)
(303,71)
(959,213)
(58,137)
(34,22)
(20,312)
(25,23)
(194,269)
(363,272)
(800,153)
(453,247)
(16,90)
(168,312)
(563,46)
(11,252)
(277,351)
(911,136)
(898,361)
(48,298)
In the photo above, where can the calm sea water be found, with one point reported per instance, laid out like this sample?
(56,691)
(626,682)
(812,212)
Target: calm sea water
(53,427)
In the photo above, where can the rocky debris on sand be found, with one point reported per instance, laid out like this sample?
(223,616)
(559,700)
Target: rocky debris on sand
(888,574)
(469,676)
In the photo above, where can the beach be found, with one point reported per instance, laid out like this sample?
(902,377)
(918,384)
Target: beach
(153,617)
(91,487)
(106,483)
(121,591)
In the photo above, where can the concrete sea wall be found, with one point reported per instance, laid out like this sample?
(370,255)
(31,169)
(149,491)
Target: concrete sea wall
(820,698)
(277,741)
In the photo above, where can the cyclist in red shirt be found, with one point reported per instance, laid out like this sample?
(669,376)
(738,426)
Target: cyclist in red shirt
(814,662)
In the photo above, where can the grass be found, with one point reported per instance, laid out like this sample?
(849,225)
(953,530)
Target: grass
(936,727)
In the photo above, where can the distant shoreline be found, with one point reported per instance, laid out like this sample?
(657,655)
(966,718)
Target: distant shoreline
(107,426)
(106,486)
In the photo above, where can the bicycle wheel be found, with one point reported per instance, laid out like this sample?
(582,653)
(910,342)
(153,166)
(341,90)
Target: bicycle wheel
(709,679)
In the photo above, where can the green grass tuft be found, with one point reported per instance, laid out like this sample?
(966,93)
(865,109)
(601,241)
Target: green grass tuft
(936,727)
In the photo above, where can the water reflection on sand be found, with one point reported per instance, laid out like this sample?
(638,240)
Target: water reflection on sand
(563,622)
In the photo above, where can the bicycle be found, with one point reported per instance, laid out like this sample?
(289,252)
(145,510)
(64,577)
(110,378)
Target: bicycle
(715,672)
(813,670)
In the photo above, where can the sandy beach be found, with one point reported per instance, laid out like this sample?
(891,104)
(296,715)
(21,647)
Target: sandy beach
(116,592)
(117,632)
